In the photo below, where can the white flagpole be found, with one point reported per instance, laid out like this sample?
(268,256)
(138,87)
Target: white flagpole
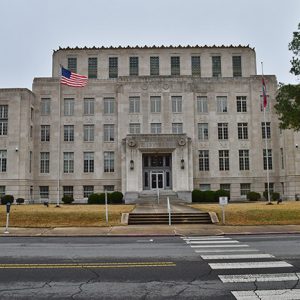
(58,140)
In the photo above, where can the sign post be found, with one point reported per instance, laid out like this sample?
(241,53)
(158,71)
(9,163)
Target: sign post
(7,216)
(223,201)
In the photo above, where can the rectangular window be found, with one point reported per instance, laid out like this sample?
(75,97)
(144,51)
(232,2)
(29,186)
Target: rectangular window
(203,160)
(271,187)
(133,66)
(88,106)
(225,187)
(2,190)
(177,128)
(155,104)
(175,65)
(223,160)
(72,64)
(282,158)
(3,160)
(88,190)
(68,133)
(216,66)
(262,103)
(204,187)
(154,65)
(92,67)
(203,131)
(45,106)
(45,162)
(113,67)
(68,191)
(134,105)
(109,188)
(267,160)
(109,106)
(44,192)
(109,161)
(221,104)
(202,104)
(241,104)
(196,67)
(45,133)
(31,113)
(244,160)
(176,104)
(245,188)
(155,128)
(266,129)
(3,119)
(88,133)
(243,131)
(134,128)
(88,162)
(68,162)
(237,66)
(69,106)
(109,132)
(223,131)
(30,161)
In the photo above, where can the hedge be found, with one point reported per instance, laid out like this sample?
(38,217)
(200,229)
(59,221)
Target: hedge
(253,196)
(67,199)
(208,196)
(99,198)
(7,198)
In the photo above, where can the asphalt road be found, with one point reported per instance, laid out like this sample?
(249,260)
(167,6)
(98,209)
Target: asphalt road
(230,267)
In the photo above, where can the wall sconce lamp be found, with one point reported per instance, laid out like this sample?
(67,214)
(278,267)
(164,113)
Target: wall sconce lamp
(182,163)
(131,164)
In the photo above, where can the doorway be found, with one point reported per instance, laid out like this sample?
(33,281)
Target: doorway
(157,180)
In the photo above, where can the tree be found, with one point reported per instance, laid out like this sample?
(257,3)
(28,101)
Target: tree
(294,46)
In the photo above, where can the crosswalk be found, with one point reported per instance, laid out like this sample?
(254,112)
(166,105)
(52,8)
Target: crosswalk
(224,254)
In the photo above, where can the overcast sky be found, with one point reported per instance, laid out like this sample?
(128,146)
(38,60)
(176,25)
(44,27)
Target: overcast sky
(31,29)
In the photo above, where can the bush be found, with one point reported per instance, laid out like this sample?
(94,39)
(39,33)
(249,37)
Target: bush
(96,198)
(209,196)
(197,196)
(221,193)
(115,197)
(20,200)
(253,196)
(7,198)
(67,199)
(275,196)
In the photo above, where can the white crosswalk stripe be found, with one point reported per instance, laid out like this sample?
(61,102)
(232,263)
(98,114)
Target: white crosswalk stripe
(213,242)
(225,250)
(220,246)
(287,294)
(236,256)
(250,265)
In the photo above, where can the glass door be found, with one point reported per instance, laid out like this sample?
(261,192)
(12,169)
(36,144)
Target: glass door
(157,180)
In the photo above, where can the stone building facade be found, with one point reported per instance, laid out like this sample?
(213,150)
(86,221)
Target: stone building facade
(167,118)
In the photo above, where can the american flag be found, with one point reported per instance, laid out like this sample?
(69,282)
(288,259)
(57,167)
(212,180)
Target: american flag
(264,90)
(72,79)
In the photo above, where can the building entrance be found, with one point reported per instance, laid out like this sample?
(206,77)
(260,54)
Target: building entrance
(157,180)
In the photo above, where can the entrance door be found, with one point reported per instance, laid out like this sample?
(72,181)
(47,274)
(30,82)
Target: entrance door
(157,180)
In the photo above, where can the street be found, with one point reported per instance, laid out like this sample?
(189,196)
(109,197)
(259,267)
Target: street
(212,267)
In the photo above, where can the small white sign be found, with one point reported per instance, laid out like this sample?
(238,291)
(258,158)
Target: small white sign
(223,200)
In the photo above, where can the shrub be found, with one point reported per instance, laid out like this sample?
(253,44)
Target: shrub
(20,200)
(275,196)
(197,196)
(67,199)
(265,194)
(115,197)
(209,196)
(253,196)
(97,198)
(221,193)
(7,198)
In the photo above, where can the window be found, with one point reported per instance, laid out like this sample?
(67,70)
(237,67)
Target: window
(109,188)
(89,106)
(225,187)
(134,104)
(204,187)
(222,104)
(88,133)
(155,103)
(3,160)
(202,104)
(195,62)
(155,128)
(30,161)
(72,64)
(241,104)
(69,106)
(45,106)
(109,106)
(68,190)
(176,104)
(267,160)
(113,67)
(245,188)
(242,131)
(109,161)
(45,162)
(203,160)
(203,131)
(88,162)
(31,113)
(3,119)
(92,67)
(177,128)
(262,103)
(237,66)
(223,131)
(109,132)
(68,162)
(154,65)
(45,133)
(68,133)
(2,190)
(223,160)
(133,66)
(271,187)
(266,129)
(175,65)
(88,190)
(216,66)
(282,158)
(44,192)
(135,128)
(244,160)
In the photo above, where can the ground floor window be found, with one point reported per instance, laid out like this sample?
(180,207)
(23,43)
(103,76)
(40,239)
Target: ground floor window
(68,190)
(245,188)
(109,188)
(2,190)
(225,187)
(44,192)
(204,187)
(88,190)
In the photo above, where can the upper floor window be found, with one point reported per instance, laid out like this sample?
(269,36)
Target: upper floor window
(88,133)
(88,106)
(109,132)
(203,160)
(133,66)
(241,104)
(196,67)
(282,158)
(223,131)
(3,119)
(155,104)
(175,65)
(92,67)
(155,128)
(134,104)
(242,131)
(202,104)
(109,161)
(45,133)
(68,162)
(68,133)
(203,131)
(177,128)
(45,162)
(69,106)
(224,160)
(267,108)
(176,104)
(88,162)
(221,104)
(3,160)
(154,66)
(134,128)
(237,66)
(216,66)
(45,106)
(72,64)
(113,67)
(109,106)
(266,130)
(244,160)
(267,158)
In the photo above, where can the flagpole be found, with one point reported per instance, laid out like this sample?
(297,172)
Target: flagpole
(58,141)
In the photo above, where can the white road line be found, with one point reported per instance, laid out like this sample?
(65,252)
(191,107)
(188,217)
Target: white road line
(225,250)
(287,294)
(259,277)
(205,239)
(237,256)
(250,265)
(213,242)
(219,246)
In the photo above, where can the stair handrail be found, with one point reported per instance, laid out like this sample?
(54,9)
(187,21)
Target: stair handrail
(169,210)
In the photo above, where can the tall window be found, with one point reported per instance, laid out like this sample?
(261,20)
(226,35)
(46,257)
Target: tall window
(271,186)
(45,133)
(109,161)
(202,104)
(267,159)
(45,106)
(266,128)
(30,161)
(177,128)
(203,131)
(109,106)
(176,104)
(223,131)
(216,66)
(196,67)
(282,158)
(44,192)
(45,162)
(113,67)
(242,131)
(203,160)
(68,133)
(221,104)
(241,104)
(237,66)
(175,65)
(72,64)
(3,160)
(134,128)
(88,106)
(68,190)
(262,103)
(88,190)
(154,65)
(92,67)
(88,162)
(223,160)
(3,119)
(134,104)
(68,162)
(69,106)
(245,188)
(109,132)
(88,132)
(244,160)
(155,128)
(133,66)
(155,104)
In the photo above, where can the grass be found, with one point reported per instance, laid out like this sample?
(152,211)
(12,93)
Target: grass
(37,215)
(286,213)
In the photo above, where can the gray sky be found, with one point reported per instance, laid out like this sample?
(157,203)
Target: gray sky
(31,29)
